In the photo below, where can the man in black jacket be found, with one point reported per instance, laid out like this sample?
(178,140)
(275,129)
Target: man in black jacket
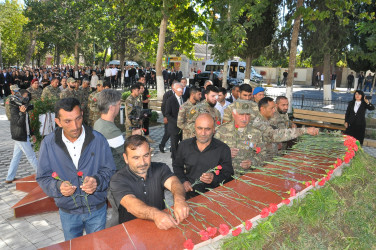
(5,81)
(20,131)
(172,110)
(166,135)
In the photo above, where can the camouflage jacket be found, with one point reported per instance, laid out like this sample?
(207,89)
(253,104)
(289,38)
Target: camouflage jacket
(237,138)
(130,103)
(280,120)
(7,107)
(36,94)
(183,118)
(227,114)
(196,110)
(50,92)
(265,136)
(70,93)
(84,95)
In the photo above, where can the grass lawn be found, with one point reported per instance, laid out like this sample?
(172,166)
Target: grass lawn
(341,215)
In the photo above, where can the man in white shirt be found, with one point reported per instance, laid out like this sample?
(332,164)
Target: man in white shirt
(222,103)
(114,72)
(107,74)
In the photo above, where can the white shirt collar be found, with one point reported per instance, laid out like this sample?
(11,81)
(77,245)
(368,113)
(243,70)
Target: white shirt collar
(74,148)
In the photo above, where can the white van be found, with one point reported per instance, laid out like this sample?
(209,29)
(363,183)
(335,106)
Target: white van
(236,69)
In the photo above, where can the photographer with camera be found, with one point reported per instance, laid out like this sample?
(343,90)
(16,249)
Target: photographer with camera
(20,131)
(132,103)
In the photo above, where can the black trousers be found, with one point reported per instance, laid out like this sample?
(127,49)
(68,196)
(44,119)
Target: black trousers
(175,139)
(165,137)
(146,126)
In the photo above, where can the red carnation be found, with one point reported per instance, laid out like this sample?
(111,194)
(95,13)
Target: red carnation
(204,235)
(258,150)
(80,174)
(307,184)
(188,244)
(248,224)
(219,167)
(322,182)
(218,123)
(286,201)
(292,192)
(148,96)
(236,126)
(236,232)
(223,229)
(273,208)
(54,175)
(313,183)
(95,99)
(211,231)
(264,213)
(144,129)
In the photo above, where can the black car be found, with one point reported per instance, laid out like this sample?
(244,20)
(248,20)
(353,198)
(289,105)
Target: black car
(200,79)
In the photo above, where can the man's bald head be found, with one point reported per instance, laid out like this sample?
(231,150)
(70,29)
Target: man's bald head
(204,127)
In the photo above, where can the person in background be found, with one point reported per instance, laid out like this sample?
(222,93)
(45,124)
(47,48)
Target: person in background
(355,121)
(221,101)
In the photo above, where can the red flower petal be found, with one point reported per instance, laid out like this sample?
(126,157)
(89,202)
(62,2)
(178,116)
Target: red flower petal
(236,232)
(148,96)
(54,175)
(292,192)
(218,123)
(322,182)
(236,126)
(219,167)
(273,208)
(286,201)
(216,172)
(264,213)
(258,150)
(188,244)
(211,231)
(307,184)
(223,229)
(248,225)
(313,183)
(79,173)
(204,235)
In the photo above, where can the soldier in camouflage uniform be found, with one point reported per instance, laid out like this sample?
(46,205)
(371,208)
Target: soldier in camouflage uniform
(207,106)
(13,89)
(131,103)
(236,133)
(71,90)
(265,136)
(245,94)
(194,98)
(52,91)
(35,90)
(84,92)
(281,119)
(94,113)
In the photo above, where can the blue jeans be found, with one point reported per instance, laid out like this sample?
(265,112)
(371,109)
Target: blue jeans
(74,224)
(333,82)
(19,147)
(368,85)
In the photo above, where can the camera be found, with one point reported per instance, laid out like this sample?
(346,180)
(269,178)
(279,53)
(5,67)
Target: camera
(19,100)
(137,117)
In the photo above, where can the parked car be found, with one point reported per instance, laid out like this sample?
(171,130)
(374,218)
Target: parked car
(200,79)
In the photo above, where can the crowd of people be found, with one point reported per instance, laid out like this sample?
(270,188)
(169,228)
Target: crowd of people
(87,158)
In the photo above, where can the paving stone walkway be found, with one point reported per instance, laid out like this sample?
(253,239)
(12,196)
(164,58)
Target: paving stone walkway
(42,230)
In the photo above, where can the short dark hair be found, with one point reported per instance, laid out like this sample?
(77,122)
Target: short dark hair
(135,86)
(235,87)
(193,91)
(222,90)
(134,141)
(211,88)
(264,102)
(281,97)
(55,78)
(67,104)
(246,88)
(107,84)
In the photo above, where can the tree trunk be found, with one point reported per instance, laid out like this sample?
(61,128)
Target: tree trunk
(30,51)
(122,59)
(1,55)
(327,87)
(373,84)
(158,66)
(57,56)
(104,58)
(76,54)
(225,73)
(247,76)
(292,62)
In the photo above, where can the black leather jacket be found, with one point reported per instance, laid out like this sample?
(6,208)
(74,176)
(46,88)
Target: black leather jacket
(18,123)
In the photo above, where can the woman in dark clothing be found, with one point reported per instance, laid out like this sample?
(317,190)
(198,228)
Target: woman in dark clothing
(17,79)
(355,118)
(26,80)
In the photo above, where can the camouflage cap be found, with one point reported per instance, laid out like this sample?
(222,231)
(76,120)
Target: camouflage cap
(71,79)
(242,107)
(14,87)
